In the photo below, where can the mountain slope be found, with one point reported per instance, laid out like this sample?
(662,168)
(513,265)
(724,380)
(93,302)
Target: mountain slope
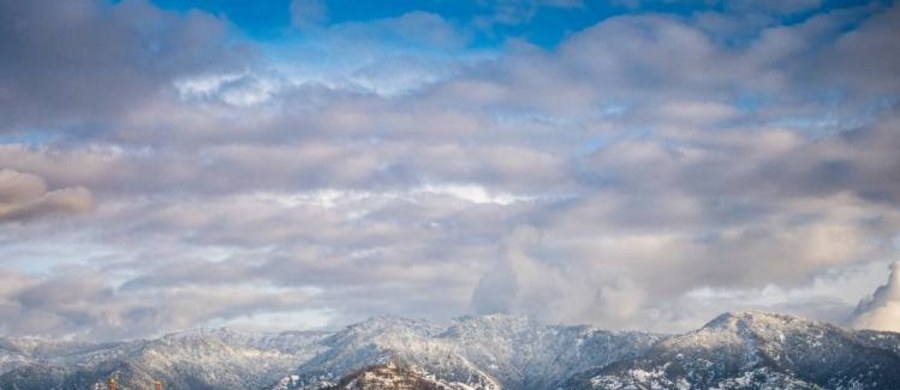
(391,376)
(203,359)
(488,352)
(758,350)
(734,351)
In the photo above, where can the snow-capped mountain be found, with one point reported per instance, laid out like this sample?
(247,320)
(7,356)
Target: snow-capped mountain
(201,359)
(487,352)
(734,351)
(758,350)
(394,377)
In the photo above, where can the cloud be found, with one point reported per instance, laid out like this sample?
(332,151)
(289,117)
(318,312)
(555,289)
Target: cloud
(80,64)
(25,196)
(512,12)
(82,304)
(498,290)
(644,173)
(868,41)
(739,6)
(524,282)
(881,310)
(770,6)
(308,13)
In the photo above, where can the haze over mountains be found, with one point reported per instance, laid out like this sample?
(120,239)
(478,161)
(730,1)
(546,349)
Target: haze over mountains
(750,350)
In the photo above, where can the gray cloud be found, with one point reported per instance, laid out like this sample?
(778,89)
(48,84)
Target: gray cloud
(80,64)
(25,196)
(643,172)
(881,311)
(498,291)
(82,304)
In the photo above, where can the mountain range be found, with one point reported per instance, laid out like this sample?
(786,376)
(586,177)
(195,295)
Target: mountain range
(749,350)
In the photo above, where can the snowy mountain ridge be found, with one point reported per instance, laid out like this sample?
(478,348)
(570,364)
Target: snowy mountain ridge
(747,350)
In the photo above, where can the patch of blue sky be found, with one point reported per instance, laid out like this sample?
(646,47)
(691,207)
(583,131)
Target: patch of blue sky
(384,67)
(834,118)
(750,102)
(514,118)
(357,75)
(260,19)
(25,256)
(815,127)
(613,110)
(868,6)
(542,25)
(594,144)
(28,137)
(597,142)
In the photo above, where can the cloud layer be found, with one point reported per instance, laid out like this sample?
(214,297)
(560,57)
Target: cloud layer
(163,169)
(881,311)
(25,196)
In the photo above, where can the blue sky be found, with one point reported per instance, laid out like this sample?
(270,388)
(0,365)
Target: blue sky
(542,23)
(307,164)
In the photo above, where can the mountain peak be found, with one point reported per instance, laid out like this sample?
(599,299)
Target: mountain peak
(742,319)
(503,319)
(388,376)
(219,333)
(204,331)
(384,323)
(735,350)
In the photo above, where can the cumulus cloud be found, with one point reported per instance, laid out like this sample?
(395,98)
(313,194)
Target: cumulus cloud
(644,173)
(881,310)
(498,291)
(25,196)
(524,281)
(83,62)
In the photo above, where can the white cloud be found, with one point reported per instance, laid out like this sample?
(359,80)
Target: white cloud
(473,193)
(665,174)
(278,321)
(330,198)
(235,89)
(881,311)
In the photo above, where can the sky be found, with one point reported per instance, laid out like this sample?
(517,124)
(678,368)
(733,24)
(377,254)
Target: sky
(307,164)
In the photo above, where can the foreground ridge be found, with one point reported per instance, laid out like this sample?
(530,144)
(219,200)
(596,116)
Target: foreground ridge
(747,350)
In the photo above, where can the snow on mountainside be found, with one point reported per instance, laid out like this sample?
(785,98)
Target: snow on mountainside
(488,352)
(202,359)
(391,376)
(759,350)
(734,351)
(10,355)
